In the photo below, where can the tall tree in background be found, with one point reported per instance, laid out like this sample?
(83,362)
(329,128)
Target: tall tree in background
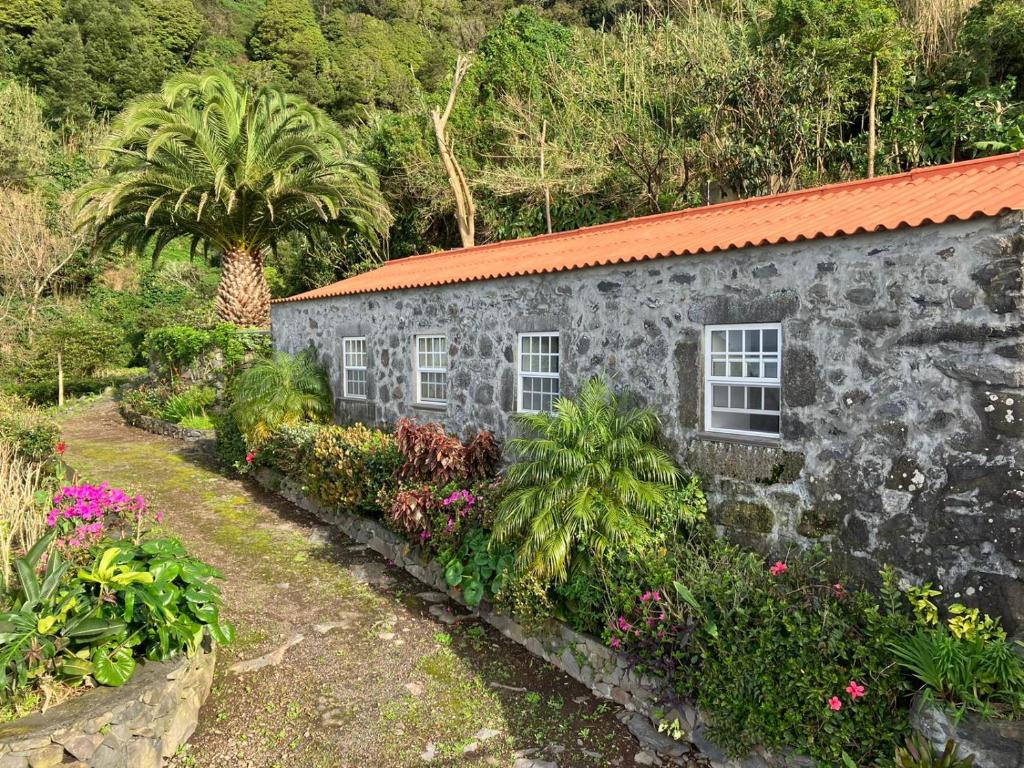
(232,168)
(465,208)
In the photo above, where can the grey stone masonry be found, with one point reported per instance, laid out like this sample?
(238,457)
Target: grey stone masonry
(139,725)
(902,424)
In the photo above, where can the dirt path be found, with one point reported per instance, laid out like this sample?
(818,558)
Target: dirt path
(353,670)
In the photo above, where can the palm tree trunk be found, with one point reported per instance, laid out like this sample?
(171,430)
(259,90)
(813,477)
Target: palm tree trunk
(243,297)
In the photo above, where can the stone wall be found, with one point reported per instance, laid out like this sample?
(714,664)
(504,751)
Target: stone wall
(139,725)
(903,384)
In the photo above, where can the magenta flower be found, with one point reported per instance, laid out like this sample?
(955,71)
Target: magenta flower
(615,643)
(835,704)
(778,569)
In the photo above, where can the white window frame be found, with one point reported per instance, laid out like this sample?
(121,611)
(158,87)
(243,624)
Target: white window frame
(710,380)
(429,369)
(520,374)
(346,368)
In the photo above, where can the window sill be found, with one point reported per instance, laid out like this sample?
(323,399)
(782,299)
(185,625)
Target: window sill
(347,399)
(752,440)
(435,407)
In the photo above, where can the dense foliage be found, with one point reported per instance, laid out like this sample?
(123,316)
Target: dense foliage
(788,655)
(87,590)
(29,431)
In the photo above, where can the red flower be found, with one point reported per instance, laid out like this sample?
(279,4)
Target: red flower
(61,447)
(250,457)
(778,569)
(855,690)
(835,704)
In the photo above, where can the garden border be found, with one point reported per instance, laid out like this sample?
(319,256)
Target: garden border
(167,428)
(604,671)
(138,725)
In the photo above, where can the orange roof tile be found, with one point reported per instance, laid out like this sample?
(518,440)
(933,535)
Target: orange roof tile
(955,192)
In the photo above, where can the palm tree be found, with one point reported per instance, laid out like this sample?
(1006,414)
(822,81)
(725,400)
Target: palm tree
(233,169)
(278,391)
(588,481)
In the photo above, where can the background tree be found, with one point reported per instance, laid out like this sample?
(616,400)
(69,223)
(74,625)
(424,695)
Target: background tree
(234,169)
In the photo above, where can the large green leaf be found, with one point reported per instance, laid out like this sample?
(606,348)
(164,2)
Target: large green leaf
(223,633)
(453,573)
(473,591)
(113,665)
(164,548)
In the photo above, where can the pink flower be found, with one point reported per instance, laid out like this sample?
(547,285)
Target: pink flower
(855,690)
(250,457)
(778,569)
(835,704)
(424,535)
(615,643)
(840,590)
(645,597)
(624,625)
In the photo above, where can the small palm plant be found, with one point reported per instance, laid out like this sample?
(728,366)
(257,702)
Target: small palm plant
(279,391)
(591,479)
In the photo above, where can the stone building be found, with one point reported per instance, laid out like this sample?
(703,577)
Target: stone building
(841,365)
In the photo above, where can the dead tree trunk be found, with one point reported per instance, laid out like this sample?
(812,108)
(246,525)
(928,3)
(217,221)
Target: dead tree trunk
(871,116)
(543,180)
(465,209)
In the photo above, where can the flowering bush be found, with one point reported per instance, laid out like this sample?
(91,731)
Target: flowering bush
(785,657)
(83,514)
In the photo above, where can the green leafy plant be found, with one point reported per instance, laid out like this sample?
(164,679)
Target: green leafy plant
(981,674)
(30,431)
(279,391)
(477,568)
(919,753)
(190,403)
(348,466)
(148,601)
(590,479)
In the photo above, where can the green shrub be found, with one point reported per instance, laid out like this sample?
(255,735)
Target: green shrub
(589,479)
(348,466)
(45,392)
(127,603)
(173,348)
(230,443)
(773,653)
(288,450)
(148,399)
(31,432)
(190,403)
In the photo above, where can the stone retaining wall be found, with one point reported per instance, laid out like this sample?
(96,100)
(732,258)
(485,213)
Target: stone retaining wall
(994,743)
(168,428)
(607,673)
(139,725)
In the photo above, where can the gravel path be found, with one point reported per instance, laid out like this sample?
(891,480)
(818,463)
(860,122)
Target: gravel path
(338,662)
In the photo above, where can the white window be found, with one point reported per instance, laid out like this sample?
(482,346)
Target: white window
(538,371)
(353,367)
(432,369)
(742,379)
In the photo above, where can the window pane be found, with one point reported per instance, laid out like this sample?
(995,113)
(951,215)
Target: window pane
(737,397)
(735,341)
(720,397)
(754,397)
(771,370)
(736,368)
(771,398)
(745,422)
(718,368)
(753,340)
(718,341)
(770,339)
(754,370)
